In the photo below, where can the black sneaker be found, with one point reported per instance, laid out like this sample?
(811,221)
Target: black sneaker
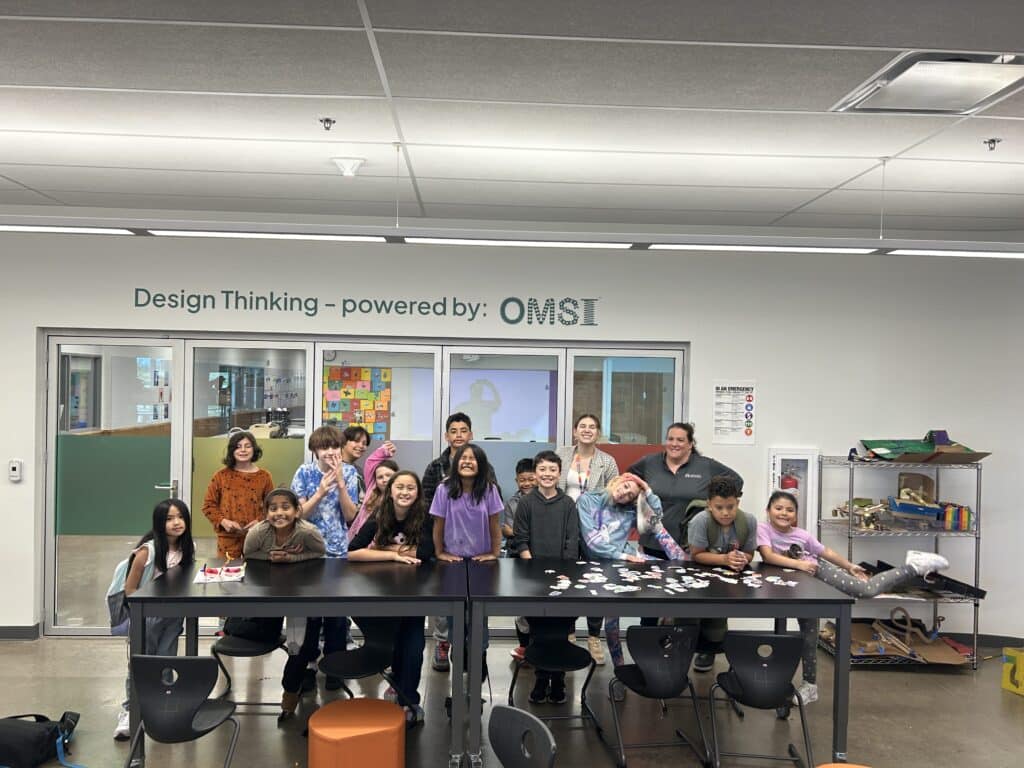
(539,694)
(557,694)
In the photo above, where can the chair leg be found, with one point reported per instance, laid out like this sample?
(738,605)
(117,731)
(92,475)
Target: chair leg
(700,725)
(227,675)
(807,735)
(619,745)
(399,696)
(585,704)
(512,685)
(231,746)
(713,752)
(139,734)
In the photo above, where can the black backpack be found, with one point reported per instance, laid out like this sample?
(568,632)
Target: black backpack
(30,740)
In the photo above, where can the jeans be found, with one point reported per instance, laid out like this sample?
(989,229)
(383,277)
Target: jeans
(407,662)
(162,633)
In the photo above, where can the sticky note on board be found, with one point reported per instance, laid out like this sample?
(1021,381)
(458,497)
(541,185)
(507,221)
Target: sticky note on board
(365,374)
(382,415)
(384,396)
(334,384)
(346,373)
(366,405)
(348,392)
(331,395)
(363,386)
(334,372)
(380,427)
(385,374)
(333,406)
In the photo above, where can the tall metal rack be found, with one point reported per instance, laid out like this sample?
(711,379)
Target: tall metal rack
(853,532)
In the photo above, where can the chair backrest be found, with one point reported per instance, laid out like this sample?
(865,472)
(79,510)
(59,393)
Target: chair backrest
(170,690)
(519,739)
(550,629)
(761,667)
(663,655)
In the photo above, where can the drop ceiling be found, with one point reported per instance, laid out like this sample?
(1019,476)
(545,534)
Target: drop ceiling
(670,117)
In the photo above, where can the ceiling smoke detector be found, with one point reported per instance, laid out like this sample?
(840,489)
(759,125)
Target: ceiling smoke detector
(348,166)
(938,84)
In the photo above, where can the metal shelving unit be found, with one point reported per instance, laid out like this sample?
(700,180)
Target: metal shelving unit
(853,533)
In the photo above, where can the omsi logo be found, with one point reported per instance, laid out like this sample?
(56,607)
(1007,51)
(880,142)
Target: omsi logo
(534,311)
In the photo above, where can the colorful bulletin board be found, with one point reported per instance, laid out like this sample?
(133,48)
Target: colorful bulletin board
(360,397)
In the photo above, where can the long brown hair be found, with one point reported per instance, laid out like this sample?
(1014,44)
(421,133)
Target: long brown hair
(387,519)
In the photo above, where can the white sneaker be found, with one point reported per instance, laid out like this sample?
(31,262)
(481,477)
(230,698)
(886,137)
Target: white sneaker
(596,651)
(122,731)
(808,692)
(926,562)
(647,519)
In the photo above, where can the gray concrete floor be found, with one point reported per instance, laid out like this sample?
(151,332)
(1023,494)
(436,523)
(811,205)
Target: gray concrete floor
(905,718)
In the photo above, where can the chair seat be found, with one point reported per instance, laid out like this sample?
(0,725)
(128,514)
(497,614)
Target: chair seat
(556,656)
(357,663)
(211,713)
(731,684)
(631,676)
(229,645)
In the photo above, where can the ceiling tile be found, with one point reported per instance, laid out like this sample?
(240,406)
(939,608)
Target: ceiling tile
(326,12)
(61,179)
(22,197)
(965,141)
(211,204)
(470,212)
(8,184)
(144,152)
(619,168)
(661,130)
(173,114)
(1009,107)
(190,58)
(937,176)
(574,72)
(978,25)
(665,198)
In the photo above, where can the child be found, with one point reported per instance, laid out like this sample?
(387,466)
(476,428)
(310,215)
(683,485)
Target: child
(167,545)
(401,532)
(611,522)
(327,505)
(782,543)
(526,481)
(547,525)
(377,471)
(353,446)
(234,498)
(465,511)
(458,430)
(722,535)
(284,537)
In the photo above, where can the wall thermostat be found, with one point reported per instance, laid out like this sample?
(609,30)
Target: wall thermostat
(14,467)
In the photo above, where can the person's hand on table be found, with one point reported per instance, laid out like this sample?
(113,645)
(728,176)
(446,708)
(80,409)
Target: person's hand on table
(859,572)
(485,557)
(279,556)
(736,560)
(636,559)
(400,558)
(448,557)
(807,566)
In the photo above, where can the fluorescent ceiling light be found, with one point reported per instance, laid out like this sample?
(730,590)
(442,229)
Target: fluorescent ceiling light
(266,235)
(67,230)
(513,243)
(978,254)
(757,248)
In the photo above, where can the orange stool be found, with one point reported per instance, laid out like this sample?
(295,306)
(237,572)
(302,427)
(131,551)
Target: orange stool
(357,732)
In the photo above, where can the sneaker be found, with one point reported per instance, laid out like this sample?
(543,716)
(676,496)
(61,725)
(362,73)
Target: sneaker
(413,716)
(518,653)
(703,662)
(333,683)
(926,562)
(808,692)
(441,663)
(557,694)
(122,731)
(391,695)
(647,519)
(595,648)
(539,694)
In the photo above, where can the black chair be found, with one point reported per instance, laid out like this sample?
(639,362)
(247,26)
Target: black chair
(761,669)
(550,650)
(243,647)
(373,657)
(172,692)
(661,657)
(520,739)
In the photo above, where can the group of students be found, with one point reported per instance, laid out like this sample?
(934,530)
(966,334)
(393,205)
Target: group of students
(570,503)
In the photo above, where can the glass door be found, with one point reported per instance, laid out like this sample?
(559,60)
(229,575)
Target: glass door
(113,451)
(254,386)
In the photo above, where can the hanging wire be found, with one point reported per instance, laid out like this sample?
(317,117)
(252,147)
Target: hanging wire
(881,210)
(398,155)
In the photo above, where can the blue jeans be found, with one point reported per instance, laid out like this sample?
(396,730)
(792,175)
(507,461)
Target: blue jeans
(162,633)
(407,661)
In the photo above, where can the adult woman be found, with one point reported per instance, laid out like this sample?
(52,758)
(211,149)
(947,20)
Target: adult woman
(234,498)
(678,475)
(587,468)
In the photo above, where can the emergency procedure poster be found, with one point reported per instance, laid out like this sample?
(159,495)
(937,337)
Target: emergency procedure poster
(734,412)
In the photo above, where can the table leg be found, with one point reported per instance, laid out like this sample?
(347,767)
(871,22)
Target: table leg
(457,637)
(477,635)
(841,686)
(136,646)
(192,636)
(780,626)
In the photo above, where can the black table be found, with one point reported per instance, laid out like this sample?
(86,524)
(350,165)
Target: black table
(326,587)
(521,588)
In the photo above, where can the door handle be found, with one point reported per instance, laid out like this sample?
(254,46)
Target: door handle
(171,486)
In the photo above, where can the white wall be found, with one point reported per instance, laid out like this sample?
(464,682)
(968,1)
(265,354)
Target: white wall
(841,347)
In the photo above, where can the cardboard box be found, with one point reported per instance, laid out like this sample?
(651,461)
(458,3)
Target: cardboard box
(1013,670)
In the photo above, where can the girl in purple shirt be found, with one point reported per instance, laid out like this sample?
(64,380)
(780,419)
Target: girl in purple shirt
(782,543)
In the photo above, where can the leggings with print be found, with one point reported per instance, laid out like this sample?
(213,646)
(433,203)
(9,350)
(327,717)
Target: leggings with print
(849,584)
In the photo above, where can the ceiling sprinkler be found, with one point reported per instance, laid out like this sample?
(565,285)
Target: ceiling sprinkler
(991,143)
(327,122)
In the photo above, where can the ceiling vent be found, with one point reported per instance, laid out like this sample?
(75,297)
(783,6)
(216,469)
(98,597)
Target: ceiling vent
(937,84)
